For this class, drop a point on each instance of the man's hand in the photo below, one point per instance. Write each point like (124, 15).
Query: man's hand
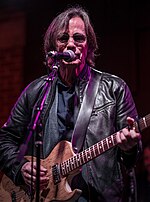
(26, 171)
(127, 138)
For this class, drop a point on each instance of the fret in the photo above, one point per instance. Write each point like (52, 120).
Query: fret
(102, 144)
(84, 154)
(81, 158)
(93, 151)
(70, 166)
(76, 161)
(145, 124)
(84, 157)
(105, 145)
(71, 163)
(96, 150)
(67, 166)
(140, 125)
(63, 168)
(88, 154)
(101, 147)
(114, 139)
(110, 141)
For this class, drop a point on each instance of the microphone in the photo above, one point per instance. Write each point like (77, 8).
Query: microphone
(68, 56)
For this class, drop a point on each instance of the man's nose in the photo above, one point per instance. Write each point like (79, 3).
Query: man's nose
(70, 40)
(71, 43)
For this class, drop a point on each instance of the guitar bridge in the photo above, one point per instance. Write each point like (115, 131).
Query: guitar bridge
(56, 174)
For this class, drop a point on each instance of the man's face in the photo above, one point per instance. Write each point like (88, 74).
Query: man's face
(74, 38)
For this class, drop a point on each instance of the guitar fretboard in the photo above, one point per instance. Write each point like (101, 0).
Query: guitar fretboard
(95, 150)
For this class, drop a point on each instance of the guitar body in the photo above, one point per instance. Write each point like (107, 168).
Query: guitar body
(54, 192)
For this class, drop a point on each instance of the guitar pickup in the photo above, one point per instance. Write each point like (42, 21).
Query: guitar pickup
(56, 174)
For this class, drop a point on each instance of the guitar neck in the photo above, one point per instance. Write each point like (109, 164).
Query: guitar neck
(142, 123)
(95, 150)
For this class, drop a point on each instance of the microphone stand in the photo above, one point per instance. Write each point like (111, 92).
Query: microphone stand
(36, 125)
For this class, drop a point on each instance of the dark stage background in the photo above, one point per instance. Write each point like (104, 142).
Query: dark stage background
(123, 30)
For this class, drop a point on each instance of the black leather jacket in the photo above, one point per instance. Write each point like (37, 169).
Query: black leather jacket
(112, 106)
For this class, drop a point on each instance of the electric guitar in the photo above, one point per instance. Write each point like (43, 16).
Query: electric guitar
(62, 164)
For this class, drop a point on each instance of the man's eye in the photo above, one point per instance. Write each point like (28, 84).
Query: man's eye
(79, 38)
(63, 39)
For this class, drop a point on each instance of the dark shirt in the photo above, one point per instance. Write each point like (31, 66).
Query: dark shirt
(65, 110)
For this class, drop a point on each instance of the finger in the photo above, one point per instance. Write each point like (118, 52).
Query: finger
(43, 170)
(120, 137)
(44, 181)
(129, 135)
(134, 135)
(130, 122)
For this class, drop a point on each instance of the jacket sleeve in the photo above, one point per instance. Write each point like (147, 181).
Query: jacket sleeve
(126, 107)
(13, 133)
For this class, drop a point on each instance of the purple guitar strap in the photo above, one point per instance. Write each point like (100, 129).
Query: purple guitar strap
(85, 112)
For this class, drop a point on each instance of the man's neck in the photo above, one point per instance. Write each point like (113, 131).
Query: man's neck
(70, 75)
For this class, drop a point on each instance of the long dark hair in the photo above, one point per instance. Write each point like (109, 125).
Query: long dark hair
(61, 21)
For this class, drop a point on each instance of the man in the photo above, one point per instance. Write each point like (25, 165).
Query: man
(100, 179)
